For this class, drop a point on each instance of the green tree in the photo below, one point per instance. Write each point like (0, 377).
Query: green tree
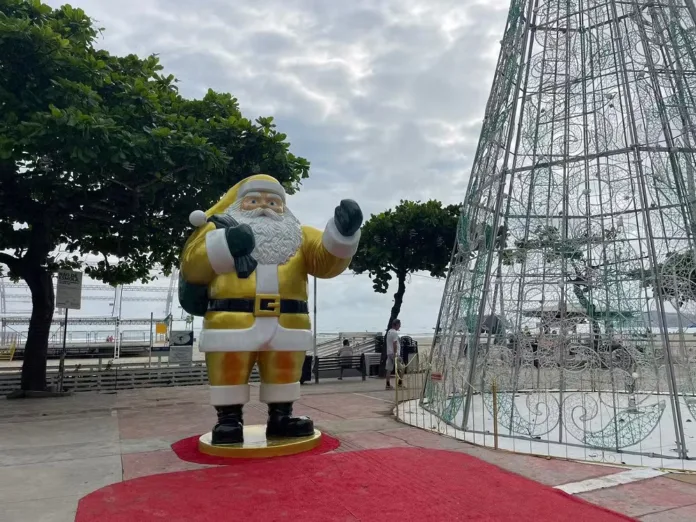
(412, 237)
(100, 154)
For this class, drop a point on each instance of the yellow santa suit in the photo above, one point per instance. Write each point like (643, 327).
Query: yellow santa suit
(234, 341)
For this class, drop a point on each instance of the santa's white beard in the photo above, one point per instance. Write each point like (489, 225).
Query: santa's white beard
(277, 236)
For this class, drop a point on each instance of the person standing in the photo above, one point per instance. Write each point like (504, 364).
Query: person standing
(345, 354)
(392, 349)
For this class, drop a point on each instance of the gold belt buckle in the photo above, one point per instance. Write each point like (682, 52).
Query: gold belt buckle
(267, 305)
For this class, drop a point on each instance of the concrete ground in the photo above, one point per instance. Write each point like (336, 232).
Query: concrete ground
(54, 451)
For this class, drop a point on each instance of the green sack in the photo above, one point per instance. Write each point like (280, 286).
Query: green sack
(193, 298)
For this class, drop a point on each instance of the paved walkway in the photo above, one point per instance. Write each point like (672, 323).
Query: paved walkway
(54, 451)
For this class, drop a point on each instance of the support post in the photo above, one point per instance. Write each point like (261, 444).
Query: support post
(149, 351)
(396, 386)
(315, 320)
(61, 366)
(494, 390)
(116, 339)
(314, 342)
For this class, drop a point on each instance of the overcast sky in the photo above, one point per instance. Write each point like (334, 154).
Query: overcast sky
(384, 97)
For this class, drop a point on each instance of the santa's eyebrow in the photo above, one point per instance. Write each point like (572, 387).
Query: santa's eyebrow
(252, 195)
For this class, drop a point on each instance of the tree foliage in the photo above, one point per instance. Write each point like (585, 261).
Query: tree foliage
(412, 237)
(102, 155)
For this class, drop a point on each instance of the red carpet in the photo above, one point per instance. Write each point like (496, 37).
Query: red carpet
(401, 484)
(187, 449)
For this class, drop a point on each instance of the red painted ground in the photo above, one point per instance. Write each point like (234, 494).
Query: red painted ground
(187, 449)
(404, 484)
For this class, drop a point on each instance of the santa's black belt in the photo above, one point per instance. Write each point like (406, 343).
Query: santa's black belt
(263, 305)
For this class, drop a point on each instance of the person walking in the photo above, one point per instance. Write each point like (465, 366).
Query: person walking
(345, 354)
(392, 349)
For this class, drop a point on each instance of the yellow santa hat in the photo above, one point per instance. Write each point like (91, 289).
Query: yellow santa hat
(255, 183)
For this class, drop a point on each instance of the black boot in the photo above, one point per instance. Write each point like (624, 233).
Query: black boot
(281, 423)
(230, 426)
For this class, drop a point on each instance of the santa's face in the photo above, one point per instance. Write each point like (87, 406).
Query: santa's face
(277, 231)
(264, 200)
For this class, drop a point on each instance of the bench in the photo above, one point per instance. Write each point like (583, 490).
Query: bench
(331, 366)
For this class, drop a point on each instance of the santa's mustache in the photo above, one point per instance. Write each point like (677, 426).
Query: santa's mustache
(262, 212)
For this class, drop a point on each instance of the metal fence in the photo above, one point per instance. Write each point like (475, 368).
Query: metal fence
(110, 377)
(577, 404)
(410, 381)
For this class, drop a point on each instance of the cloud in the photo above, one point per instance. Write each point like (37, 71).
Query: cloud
(384, 97)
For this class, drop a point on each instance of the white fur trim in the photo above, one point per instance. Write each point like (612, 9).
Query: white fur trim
(218, 252)
(229, 395)
(291, 340)
(198, 218)
(261, 185)
(270, 393)
(267, 279)
(338, 245)
(266, 334)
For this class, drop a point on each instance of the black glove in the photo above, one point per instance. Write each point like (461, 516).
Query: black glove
(223, 221)
(348, 217)
(240, 241)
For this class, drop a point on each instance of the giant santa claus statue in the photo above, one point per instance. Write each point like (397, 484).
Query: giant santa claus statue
(245, 270)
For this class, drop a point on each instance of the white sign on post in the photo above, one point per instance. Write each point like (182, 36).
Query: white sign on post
(68, 296)
(181, 347)
(69, 290)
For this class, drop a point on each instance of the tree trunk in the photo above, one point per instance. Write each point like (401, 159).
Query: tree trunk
(398, 298)
(36, 349)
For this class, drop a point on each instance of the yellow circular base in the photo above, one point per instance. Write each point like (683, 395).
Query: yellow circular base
(255, 445)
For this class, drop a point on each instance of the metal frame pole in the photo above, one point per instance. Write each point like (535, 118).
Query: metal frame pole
(149, 354)
(650, 240)
(314, 342)
(436, 335)
(496, 212)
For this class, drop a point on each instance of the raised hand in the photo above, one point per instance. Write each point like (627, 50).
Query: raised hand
(348, 217)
